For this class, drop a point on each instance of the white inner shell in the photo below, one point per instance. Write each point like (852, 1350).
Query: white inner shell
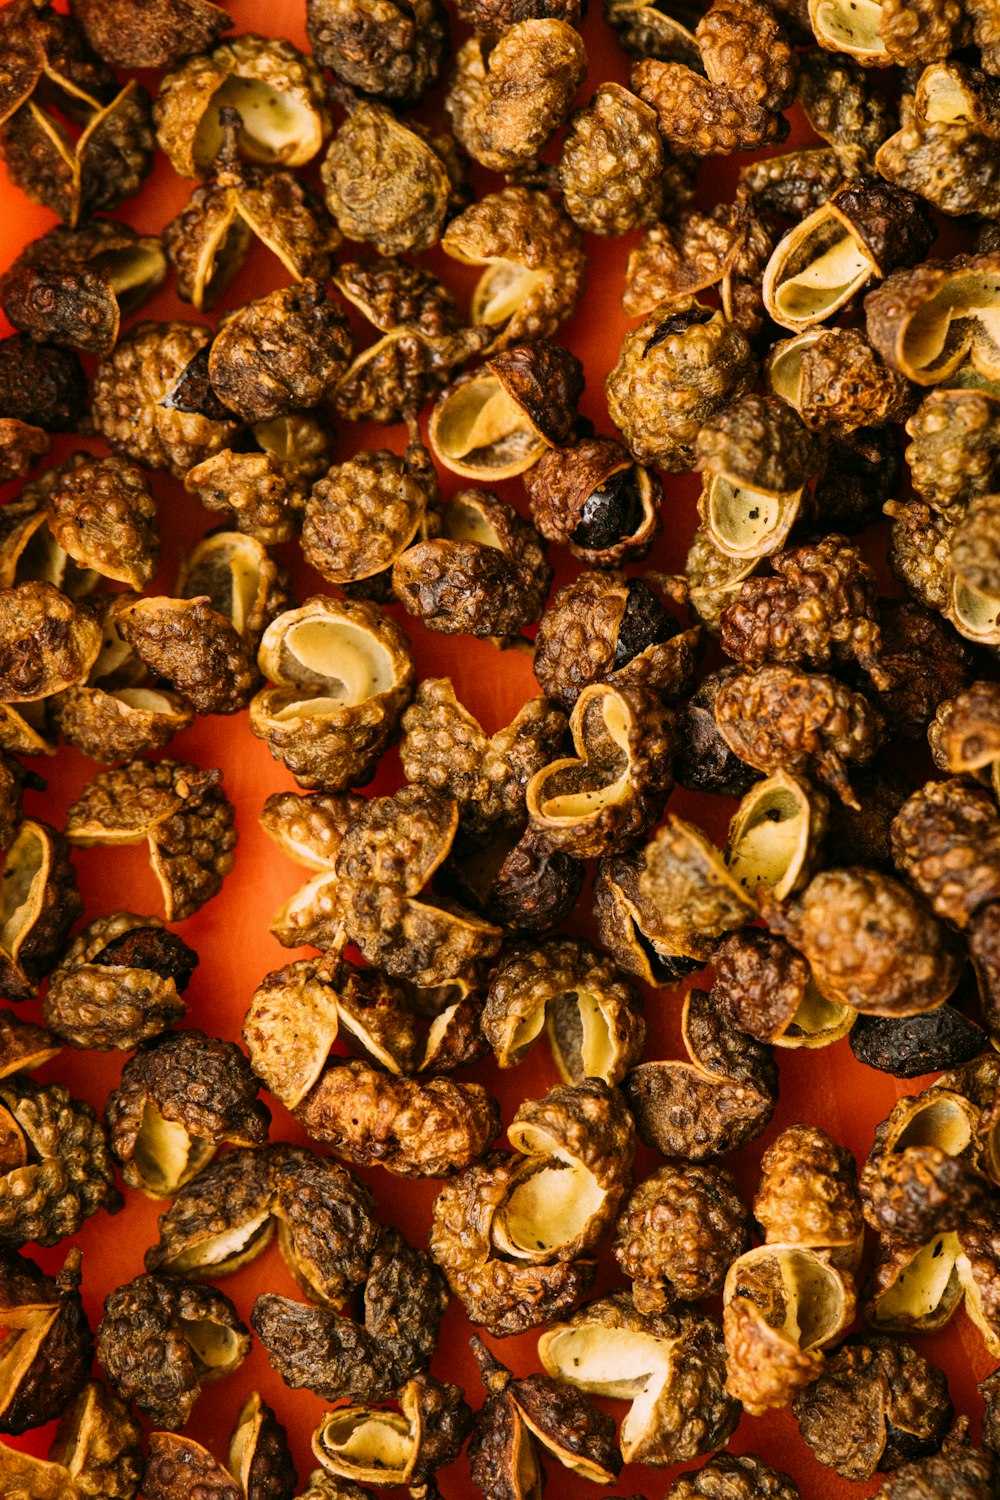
(976, 615)
(476, 417)
(24, 865)
(277, 128)
(770, 842)
(849, 25)
(943, 1123)
(922, 1286)
(571, 807)
(617, 1363)
(165, 1155)
(369, 1439)
(351, 664)
(973, 296)
(501, 290)
(550, 1202)
(826, 282)
(746, 524)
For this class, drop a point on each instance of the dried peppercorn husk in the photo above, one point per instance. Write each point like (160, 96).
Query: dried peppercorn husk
(496, 421)
(821, 610)
(97, 1450)
(959, 1470)
(259, 1461)
(42, 389)
(743, 1478)
(605, 627)
(277, 93)
(756, 457)
(783, 1305)
(194, 647)
(929, 321)
(309, 830)
(329, 1354)
(502, 1294)
(39, 902)
(181, 1096)
(421, 341)
(445, 748)
(388, 50)
(670, 1365)
(73, 286)
(364, 513)
(119, 982)
(917, 1288)
(647, 30)
(922, 1175)
(49, 1346)
(722, 1096)
(776, 833)
(263, 492)
(865, 231)
(686, 882)
(242, 582)
(629, 923)
(388, 182)
(903, 963)
(945, 149)
(484, 574)
(54, 79)
(678, 1234)
(209, 240)
(840, 103)
(161, 1339)
(179, 809)
(681, 365)
(612, 789)
(150, 401)
(57, 1168)
(808, 1195)
(429, 1127)
(533, 258)
(506, 101)
(521, 1416)
(47, 642)
(843, 385)
(808, 724)
(158, 37)
(727, 247)
(877, 1404)
(946, 841)
(23, 1046)
(731, 98)
(228, 1214)
(592, 497)
(281, 353)
(927, 661)
(963, 734)
(343, 672)
(592, 1018)
(94, 517)
(390, 1447)
(615, 126)
(798, 182)
(973, 589)
(766, 989)
(955, 453)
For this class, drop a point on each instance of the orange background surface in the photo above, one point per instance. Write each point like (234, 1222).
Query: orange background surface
(231, 934)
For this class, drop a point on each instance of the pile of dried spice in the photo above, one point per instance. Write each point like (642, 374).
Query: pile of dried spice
(812, 330)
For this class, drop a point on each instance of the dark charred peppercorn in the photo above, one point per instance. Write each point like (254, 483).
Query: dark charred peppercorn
(49, 1346)
(927, 661)
(876, 1405)
(863, 470)
(535, 888)
(704, 761)
(394, 51)
(160, 1339)
(862, 835)
(958, 1472)
(840, 103)
(912, 1045)
(41, 385)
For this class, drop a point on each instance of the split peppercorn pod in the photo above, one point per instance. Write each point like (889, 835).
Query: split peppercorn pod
(259, 1461)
